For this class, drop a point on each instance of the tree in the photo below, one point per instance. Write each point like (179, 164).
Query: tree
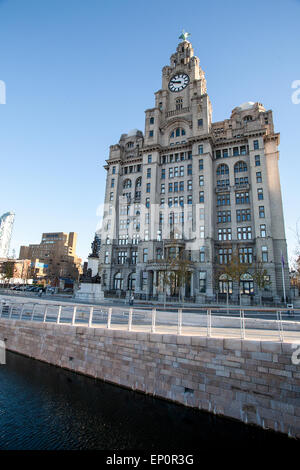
(261, 277)
(181, 269)
(235, 269)
(9, 268)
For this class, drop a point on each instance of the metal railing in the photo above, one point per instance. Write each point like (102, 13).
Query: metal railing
(243, 323)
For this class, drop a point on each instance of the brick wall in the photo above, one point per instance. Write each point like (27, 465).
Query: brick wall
(252, 381)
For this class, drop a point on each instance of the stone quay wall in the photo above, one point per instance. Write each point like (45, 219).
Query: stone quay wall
(252, 381)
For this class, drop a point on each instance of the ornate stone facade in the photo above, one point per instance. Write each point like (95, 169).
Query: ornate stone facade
(188, 185)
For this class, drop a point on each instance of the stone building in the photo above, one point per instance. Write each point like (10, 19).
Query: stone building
(192, 186)
(55, 257)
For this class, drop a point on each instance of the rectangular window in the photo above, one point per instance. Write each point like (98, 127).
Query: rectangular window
(181, 186)
(200, 122)
(258, 177)
(148, 185)
(246, 255)
(145, 255)
(202, 282)
(201, 196)
(148, 172)
(201, 164)
(260, 194)
(147, 202)
(182, 171)
(162, 188)
(255, 144)
(170, 187)
(176, 187)
(170, 202)
(264, 254)
(218, 154)
(201, 180)
(149, 158)
(242, 198)
(106, 257)
(261, 212)
(113, 170)
(112, 184)
(202, 255)
(201, 232)
(190, 200)
(257, 160)
(223, 200)
(244, 233)
(171, 173)
(189, 170)
(190, 185)
(181, 201)
(200, 149)
(151, 133)
(176, 171)
(225, 153)
(263, 232)
(151, 120)
(163, 174)
(111, 196)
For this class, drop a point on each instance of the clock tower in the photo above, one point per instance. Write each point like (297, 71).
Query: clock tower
(194, 190)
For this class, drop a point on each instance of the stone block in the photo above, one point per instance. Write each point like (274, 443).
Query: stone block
(251, 346)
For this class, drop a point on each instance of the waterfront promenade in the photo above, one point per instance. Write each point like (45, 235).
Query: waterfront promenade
(242, 365)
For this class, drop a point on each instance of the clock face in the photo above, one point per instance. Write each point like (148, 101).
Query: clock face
(179, 82)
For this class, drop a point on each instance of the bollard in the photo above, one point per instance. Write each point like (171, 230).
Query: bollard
(153, 320)
(109, 317)
(179, 321)
(45, 313)
(91, 317)
(58, 314)
(130, 319)
(74, 316)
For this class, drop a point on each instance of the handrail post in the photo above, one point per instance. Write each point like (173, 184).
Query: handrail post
(10, 311)
(45, 313)
(130, 319)
(153, 320)
(109, 318)
(1, 309)
(58, 314)
(22, 310)
(179, 321)
(242, 323)
(91, 317)
(209, 322)
(32, 313)
(74, 315)
(279, 324)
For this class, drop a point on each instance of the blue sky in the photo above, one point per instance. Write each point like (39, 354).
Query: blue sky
(80, 73)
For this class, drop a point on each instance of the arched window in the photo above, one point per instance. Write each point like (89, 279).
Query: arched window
(131, 281)
(223, 169)
(138, 182)
(118, 281)
(179, 103)
(127, 184)
(246, 284)
(225, 284)
(240, 166)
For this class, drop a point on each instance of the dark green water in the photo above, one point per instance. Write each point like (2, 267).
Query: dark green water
(45, 407)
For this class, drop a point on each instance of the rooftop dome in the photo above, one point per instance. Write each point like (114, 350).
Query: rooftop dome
(246, 105)
(132, 132)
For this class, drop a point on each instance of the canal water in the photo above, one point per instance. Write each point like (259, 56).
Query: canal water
(45, 407)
